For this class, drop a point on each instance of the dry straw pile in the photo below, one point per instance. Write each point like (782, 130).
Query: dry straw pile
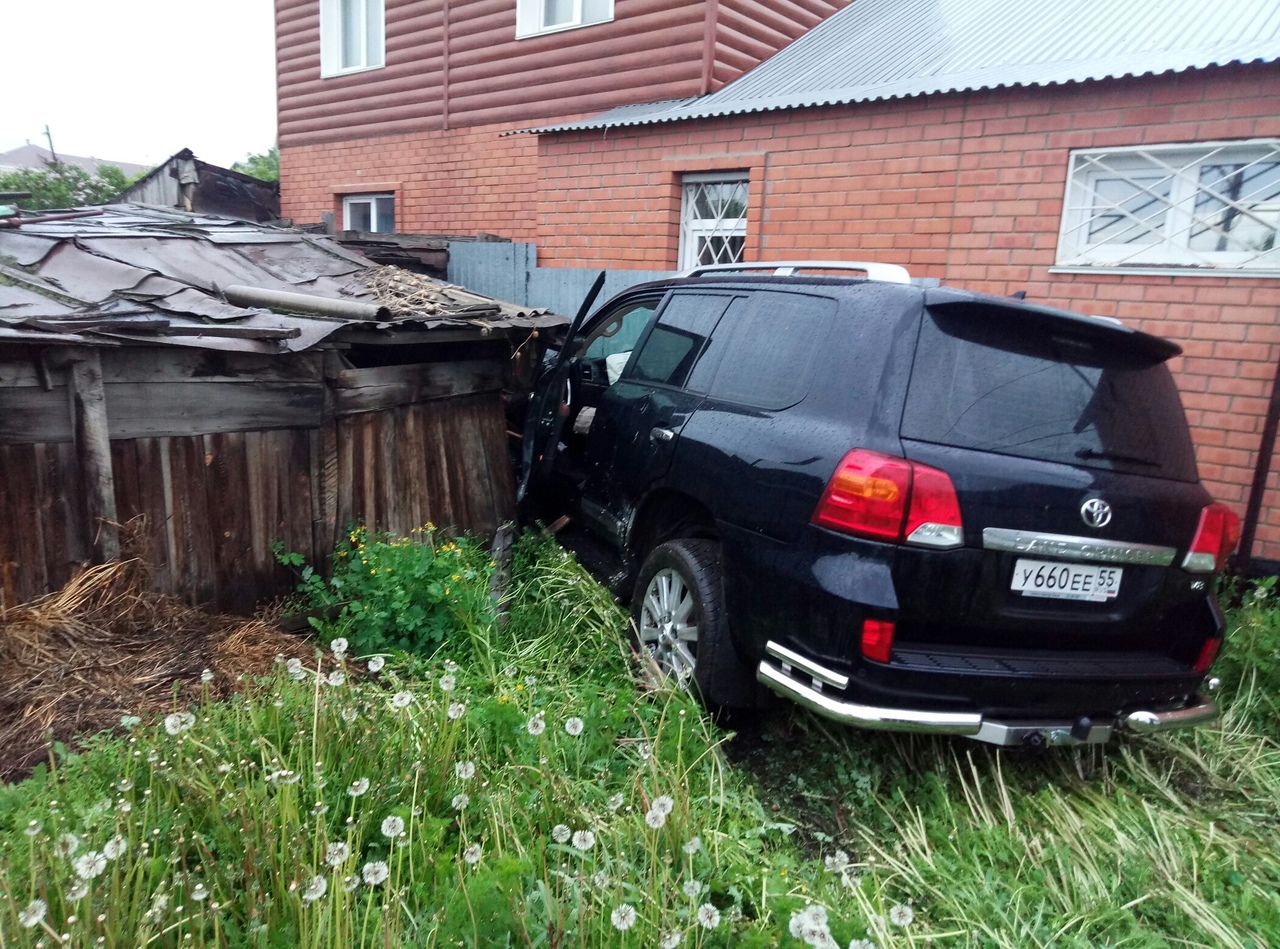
(106, 646)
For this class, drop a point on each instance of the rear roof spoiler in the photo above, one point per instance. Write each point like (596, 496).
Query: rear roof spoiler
(948, 300)
(886, 273)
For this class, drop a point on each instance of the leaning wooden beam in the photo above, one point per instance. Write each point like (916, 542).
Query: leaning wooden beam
(93, 451)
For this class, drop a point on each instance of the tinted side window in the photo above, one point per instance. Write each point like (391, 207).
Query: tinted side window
(678, 338)
(766, 348)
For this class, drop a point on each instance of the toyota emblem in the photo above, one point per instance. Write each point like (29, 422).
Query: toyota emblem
(1096, 512)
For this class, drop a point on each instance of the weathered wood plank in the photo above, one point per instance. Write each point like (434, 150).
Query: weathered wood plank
(368, 390)
(32, 414)
(138, 410)
(93, 451)
(180, 364)
(195, 572)
(30, 566)
(153, 471)
(227, 484)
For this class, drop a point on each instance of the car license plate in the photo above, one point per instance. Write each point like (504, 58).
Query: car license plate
(1066, 581)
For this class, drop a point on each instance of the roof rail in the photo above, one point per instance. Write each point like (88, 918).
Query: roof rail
(888, 273)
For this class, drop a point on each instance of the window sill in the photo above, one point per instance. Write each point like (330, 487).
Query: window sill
(347, 72)
(560, 29)
(1169, 271)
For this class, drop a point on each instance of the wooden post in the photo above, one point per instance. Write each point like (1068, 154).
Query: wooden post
(93, 451)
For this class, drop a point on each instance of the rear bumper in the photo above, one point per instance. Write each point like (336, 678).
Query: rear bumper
(802, 680)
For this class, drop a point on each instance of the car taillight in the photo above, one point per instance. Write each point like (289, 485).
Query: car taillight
(1216, 538)
(893, 499)
(877, 639)
(1208, 653)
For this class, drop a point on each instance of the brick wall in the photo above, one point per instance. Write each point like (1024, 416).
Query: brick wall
(457, 181)
(967, 188)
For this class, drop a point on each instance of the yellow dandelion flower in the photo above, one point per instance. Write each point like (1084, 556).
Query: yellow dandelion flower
(502, 699)
(519, 686)
(373, 570)
(456, 577)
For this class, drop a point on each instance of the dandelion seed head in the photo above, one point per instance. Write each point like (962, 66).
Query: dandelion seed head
(583, 840)
(317, 888)
(401, 700)
(33, 915)
(448, 683)
(623, 917)
(708, 916)
(199, 893)
(615, 801)
(510, 672)
(837, 861)
(536, 725)
(349, 883)
(692, 889)
(531, 681)
(465, 770)
(206, 677)
(339, 647)
(472, 855)
(671, 940)
(32, 828)
(349, 714)
(902, 915)
(392, 826)
(561, 833)
(376, 664)
(693, 846)
(78, 890)
(337, 677)
(655, 819)
(358, 787)
(178, 722)
(375, 872)
(295, 669)
(115, 847)
(460, 801)
(90, 865)
(663, 804)
(336, 854)
(862, 944)
(574, 726)
(457, 710)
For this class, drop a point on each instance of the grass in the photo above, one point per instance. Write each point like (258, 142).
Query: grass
(526, 787)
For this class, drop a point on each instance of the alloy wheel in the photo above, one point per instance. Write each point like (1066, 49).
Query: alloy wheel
(669, 624)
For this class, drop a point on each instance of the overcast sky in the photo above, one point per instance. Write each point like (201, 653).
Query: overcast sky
(137, 80)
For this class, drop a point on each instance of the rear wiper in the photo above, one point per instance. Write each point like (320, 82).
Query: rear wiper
(1116, 456)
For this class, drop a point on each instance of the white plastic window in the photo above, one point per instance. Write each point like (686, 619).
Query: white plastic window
(369, 212)
(352, 36)
(713, 220)
(1214, 205)
(534, 17)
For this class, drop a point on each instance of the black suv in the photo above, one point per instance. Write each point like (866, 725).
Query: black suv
(907, 508)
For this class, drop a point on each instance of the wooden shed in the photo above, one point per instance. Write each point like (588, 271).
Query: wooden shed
(238, 386)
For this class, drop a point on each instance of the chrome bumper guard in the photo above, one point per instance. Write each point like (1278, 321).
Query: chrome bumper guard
(784, 678)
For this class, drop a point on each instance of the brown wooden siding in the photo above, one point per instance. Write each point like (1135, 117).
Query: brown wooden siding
(750, 31)
(394, 447)
(653, 49)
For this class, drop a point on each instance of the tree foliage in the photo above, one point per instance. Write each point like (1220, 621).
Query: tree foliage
(265, 166)
(64, 186)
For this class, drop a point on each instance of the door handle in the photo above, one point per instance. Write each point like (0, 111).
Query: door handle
(661, 435)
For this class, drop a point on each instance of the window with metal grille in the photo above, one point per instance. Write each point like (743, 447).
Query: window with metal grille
(534, 17)
(713, 220)
(352, 36)
(1207, 205)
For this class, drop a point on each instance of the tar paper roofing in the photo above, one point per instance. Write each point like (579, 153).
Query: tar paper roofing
(125, 274)
(891, 49)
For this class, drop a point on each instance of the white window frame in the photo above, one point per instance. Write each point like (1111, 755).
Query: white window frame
(331, 37)
(531, 16)
(369, 198)
(691, 228)
(1157, 171)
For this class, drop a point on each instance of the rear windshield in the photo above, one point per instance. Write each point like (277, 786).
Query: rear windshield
(993, 380)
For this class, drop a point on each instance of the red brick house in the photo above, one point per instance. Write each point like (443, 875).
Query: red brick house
(1119, 157)
(392, 112)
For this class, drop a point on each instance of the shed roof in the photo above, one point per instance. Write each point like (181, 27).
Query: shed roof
(891, 49)
(122, 273)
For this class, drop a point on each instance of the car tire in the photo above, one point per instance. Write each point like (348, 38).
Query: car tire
(679, 590)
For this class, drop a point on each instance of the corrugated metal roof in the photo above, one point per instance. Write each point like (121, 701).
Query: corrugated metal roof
(889, 49)
(157, 277)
